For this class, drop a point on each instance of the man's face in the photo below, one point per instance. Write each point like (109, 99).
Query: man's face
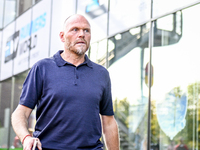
(76, 35)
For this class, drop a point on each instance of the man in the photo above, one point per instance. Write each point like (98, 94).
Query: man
(70, 92)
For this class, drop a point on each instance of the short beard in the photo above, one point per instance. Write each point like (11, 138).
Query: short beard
(80, 51)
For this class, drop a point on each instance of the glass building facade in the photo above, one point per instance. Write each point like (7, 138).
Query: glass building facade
(150, 48)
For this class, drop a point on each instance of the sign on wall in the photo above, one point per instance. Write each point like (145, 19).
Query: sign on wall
(40, 32)
(9, 46)
(23, 27)
(26, 40)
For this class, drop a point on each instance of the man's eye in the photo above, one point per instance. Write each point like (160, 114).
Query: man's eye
(86, 30)
(75, 29)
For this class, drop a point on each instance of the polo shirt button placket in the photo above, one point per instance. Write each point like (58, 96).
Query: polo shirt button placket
(75, 76)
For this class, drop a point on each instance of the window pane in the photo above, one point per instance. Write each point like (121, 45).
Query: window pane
(5, 103)
(98, 52)
(24, 5)
(35, 1)
(1, 13)
(10, 11)
(125, 14)
(128, 56)
(19, 80)
(161, 7)
(176, 82)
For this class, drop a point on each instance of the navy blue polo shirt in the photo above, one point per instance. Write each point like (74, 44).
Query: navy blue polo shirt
(69, 100)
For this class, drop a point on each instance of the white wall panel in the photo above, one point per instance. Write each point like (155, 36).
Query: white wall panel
(9, 44)
(61, 9)
(40, 32)
(23, 25)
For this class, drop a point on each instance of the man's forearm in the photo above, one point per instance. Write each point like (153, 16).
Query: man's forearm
(20, 125)
(19, 121)
(111, 136)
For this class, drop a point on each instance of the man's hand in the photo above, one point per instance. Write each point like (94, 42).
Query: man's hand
(29, 143)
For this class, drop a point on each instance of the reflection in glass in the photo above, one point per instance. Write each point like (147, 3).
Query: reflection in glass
(128, 55)
(5, 103)
(35, 1)
(93, 51)
(126, 41)
(98, 52)
(1, 13)
(23, 6)
(168, 30)
(124, 14)
(176, 88)
(10, 11)
(19, 80)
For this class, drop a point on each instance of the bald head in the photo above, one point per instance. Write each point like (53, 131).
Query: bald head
(74, 17)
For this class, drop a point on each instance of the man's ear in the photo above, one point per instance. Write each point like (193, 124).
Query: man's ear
(62, 36)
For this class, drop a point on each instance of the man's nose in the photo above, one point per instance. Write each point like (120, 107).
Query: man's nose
(81, 33)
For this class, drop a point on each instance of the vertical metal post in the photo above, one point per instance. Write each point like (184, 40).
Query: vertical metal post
(12, 85)
(108, 18)
(107, 33)
(4, 6)
(50, 27)
(150, 78)
(11, 109)
(197, 116)
(14, 40)
(0, 94)
(1, 42)
(29, 52)
(76, 7)
(194, 108)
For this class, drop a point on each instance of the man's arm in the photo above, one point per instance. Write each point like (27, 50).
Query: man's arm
(110, 132)
(19, 121)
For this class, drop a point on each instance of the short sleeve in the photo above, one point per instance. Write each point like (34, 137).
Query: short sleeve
(106, 106)
(32, 88)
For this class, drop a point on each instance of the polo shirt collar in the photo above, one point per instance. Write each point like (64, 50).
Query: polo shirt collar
(61, 62)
